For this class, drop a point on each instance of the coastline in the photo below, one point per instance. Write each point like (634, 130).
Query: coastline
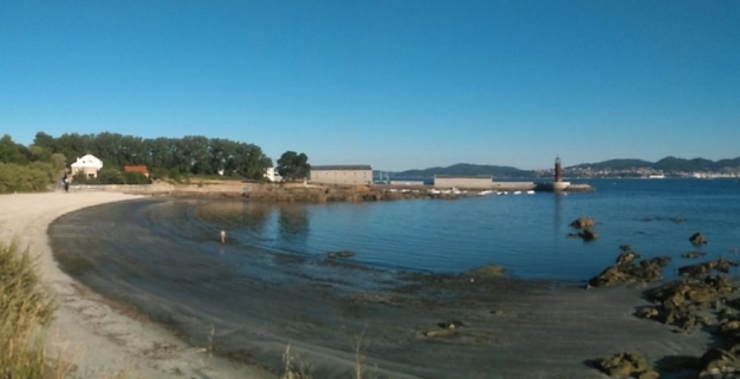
(102, 338)
(513, 328)
(318, 193)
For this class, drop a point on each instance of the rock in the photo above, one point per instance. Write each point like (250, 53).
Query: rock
(625, 247)
(340, 254)
(725, 314)
(716, 361)
(583, 223)
(625, 270)
(693, 254)
(679, 300)
(698, 239)
(588, 235)
(451, 324)
(627, 257)
(627, 365)
(648, 312)
(700, 269)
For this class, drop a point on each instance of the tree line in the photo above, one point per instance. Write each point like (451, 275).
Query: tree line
(164, 157)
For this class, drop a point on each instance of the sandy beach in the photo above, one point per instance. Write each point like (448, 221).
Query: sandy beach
(104, 340)
(249, 305)
(512, 328)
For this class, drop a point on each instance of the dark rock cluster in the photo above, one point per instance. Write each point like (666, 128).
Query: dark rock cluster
(585, 226)
(626, 270)
(627, 365)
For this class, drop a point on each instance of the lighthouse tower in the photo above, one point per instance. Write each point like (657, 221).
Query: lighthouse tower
(558, 184)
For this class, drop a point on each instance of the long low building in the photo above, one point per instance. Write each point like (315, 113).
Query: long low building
(342, 174)
(463, 182)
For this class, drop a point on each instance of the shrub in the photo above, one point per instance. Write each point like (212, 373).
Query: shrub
(174, 174)
(110, 176)
(135, 178)
(25, 178)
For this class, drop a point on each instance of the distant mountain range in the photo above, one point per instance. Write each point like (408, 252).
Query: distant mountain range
(667, 164)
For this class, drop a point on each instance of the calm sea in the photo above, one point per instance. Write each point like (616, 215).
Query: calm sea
(524, 233)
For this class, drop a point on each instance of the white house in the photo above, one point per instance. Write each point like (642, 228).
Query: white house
(88, 165)
(272, 174)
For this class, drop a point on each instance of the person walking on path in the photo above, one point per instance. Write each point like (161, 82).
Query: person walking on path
(65, 179)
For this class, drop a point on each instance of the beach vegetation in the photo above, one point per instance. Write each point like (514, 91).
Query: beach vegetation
(26, 308)
(174, 175)
(25, 178)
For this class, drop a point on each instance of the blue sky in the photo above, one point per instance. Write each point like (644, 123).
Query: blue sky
(396, 84)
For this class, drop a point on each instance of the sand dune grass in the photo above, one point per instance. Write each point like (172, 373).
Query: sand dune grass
(26, 308)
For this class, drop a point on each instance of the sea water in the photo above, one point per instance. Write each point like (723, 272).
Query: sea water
(525, 233)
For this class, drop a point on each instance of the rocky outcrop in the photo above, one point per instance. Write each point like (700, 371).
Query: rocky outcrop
(626, 270)
(718, 363)
(627, 365)
(701, 269)
(698, 239)
(678, 303)
(583, 223)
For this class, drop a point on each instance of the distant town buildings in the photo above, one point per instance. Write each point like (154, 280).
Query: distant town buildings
(342, 174)
(89, 165)
(272, 175)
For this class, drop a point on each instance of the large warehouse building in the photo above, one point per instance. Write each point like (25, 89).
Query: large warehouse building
(346, 174)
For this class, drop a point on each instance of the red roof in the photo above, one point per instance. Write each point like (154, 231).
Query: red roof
(141, 169)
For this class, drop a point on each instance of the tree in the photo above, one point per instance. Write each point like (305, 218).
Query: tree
(293, 166)
(9, 151)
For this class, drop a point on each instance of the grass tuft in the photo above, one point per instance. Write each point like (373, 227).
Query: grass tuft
(26, 308)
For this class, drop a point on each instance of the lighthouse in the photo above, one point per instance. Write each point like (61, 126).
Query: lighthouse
(558, 184)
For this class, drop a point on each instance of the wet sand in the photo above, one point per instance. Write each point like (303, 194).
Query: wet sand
(249, 304)
(104, 339)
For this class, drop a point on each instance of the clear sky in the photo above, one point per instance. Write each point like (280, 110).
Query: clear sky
(397, 84)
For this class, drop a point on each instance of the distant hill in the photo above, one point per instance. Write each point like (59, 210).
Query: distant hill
(465, 169)
(615, 164)
(667, 164)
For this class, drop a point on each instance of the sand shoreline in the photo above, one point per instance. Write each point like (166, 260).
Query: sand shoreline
(102, 341)
(259, 301)
(514, 329)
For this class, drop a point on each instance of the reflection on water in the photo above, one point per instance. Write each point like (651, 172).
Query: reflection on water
(558, 220)
(526, 234)
(293, 222)
(235, 215)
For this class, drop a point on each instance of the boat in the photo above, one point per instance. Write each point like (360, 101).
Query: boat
(517, 192)
(484, 193)
(530, 192)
